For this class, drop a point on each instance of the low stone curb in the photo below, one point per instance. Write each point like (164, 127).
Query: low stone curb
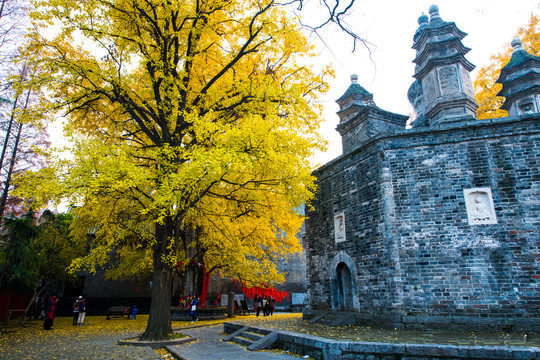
(156, 344)
(327, 349)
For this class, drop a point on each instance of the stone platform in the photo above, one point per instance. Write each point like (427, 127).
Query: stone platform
(427, 322)
(327, 349)
(178, 314)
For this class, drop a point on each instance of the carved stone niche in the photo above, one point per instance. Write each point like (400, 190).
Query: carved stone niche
(480, 208)
(339, 227)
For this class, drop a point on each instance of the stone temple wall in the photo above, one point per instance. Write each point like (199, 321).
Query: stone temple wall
(448, 265)
(439, 222)
(349, 185)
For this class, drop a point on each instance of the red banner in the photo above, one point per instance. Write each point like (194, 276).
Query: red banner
(251, 292)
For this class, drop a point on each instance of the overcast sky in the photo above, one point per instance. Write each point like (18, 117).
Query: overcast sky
(389, 25)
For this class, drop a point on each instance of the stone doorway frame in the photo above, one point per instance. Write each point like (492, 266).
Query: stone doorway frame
(339, 301)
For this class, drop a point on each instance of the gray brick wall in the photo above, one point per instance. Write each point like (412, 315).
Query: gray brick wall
(406, 221)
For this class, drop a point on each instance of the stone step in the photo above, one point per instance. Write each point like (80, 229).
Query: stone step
(242, 341)
(334, 319)
(265, 342)
(234, 334)
(252, 339)
(317, 318)
(344, 320)
(252, 336)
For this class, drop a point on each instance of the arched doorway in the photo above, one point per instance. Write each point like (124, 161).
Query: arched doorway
(344, 298)
(342, 284)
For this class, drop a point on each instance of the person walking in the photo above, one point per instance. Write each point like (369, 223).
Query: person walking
(76, 312)
(193, 310)
(271, 304)
(82, 311)
(49, 312)
(134, 312)
(265, 305)
(258, 304)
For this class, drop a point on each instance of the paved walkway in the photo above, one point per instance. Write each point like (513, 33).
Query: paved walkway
(210, 347)
(54, 346)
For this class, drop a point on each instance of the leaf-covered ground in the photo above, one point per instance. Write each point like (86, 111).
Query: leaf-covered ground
(97, 338)
(294, 322)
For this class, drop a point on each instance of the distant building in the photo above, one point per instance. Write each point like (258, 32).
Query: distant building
(438, 224)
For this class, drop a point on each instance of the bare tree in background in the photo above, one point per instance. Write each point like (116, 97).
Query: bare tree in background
(17, 138)
(317, 15)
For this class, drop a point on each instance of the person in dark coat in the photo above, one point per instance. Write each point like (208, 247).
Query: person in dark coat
(76, 312)
(258, 304)
(193, 310)
(82, 311)
(49, 312)
(271, 304)
(265, 306)
(134, 312)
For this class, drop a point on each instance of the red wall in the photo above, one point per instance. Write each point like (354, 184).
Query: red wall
(17, 301)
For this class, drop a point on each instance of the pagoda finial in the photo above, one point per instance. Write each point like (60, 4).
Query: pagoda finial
(354, 78)
(516, 44)
(434, 13)
(423, 19)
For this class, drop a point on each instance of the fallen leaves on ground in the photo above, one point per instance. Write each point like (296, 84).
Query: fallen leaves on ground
(293, 322)
(99, 336)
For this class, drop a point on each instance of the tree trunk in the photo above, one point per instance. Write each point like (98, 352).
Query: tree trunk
(5, 193)
(192, 281)
(159, 325)
(34, 297)
(12, 161)
(8, 133)
(3, 200)
(192, 278)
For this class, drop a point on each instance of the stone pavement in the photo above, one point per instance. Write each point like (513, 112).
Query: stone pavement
(55, 346)
(210, 347)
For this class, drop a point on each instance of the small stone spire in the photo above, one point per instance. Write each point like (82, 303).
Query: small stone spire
(520, 81)
(434, 14)
(434, 11)
(354, 97)
(423, 21)
(516, 44)
(443, 72)
(360, 119)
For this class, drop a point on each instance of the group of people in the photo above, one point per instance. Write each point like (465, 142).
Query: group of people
(264, 304)
(49, 308)
(79, 311)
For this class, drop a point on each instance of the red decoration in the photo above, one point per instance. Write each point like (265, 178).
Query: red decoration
(250, 292)
(206, 282)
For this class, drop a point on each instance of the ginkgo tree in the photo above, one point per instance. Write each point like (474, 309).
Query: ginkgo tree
(485, 87)
(192, 122)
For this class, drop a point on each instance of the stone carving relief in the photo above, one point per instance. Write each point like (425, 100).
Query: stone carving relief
(480, 208)
(339, 227)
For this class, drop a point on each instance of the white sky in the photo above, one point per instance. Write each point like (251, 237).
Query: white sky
(390, 25)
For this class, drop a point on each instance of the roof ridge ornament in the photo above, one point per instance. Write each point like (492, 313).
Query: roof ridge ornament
(434, 13)
(423, 19)
(517, 45)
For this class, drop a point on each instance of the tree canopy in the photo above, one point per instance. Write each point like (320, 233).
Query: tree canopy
(192, 125)
(485, 88)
